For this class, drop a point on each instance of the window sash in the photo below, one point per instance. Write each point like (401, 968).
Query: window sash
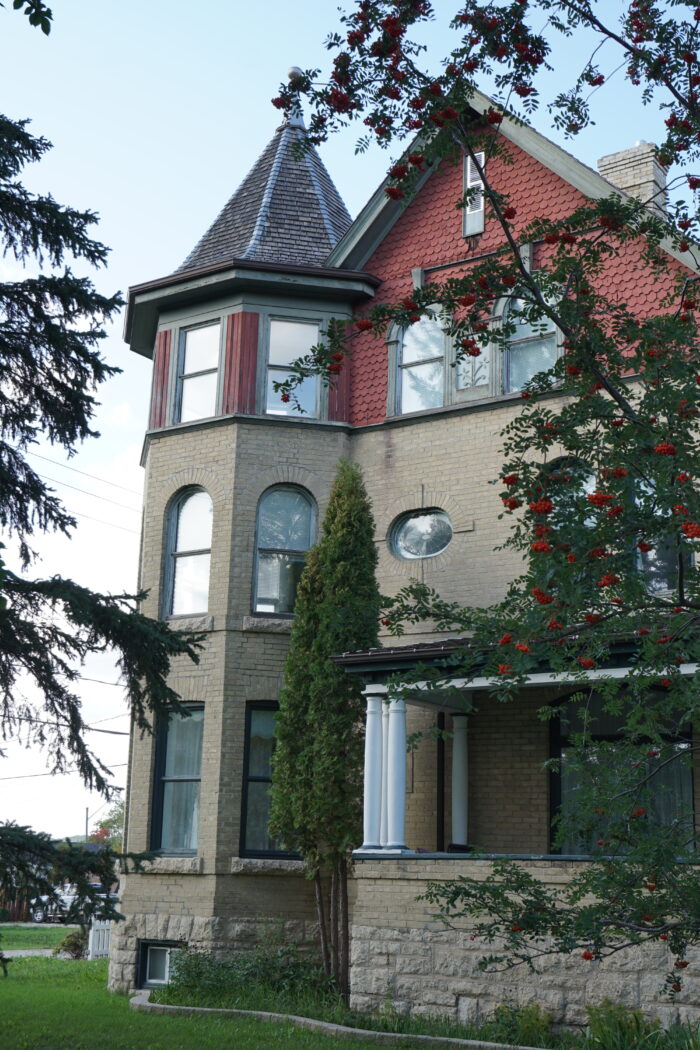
(198, 372)
(255, 837)
(288, 340)
(177, 777)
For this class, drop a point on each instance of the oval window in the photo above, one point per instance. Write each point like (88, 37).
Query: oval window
(420, 533)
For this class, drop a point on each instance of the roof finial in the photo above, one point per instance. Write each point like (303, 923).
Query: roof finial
(295, 116)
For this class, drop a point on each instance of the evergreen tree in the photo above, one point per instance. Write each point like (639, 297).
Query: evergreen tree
(51, 326)
(317, 782)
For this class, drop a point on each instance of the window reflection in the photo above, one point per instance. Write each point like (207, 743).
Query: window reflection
(198, 378)
(286, 530)
(191, 554)
(258, 777)
(421, 371)
(532, 348)
(421, 534)
(290, 340)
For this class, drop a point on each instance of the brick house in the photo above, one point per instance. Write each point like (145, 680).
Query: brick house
(236, 482)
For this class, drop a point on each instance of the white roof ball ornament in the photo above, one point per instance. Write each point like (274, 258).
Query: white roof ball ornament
(295, 117)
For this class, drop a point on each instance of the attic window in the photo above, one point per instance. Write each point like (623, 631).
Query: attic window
(473, 213)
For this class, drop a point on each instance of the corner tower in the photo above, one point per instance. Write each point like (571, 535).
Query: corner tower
(235, 483)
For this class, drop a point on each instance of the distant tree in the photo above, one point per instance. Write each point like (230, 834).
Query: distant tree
(316, 783)
(109, 831)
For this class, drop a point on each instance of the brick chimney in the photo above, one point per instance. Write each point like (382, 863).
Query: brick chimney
(637, 172)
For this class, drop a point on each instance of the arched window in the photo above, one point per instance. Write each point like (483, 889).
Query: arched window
(286, 528)
(532, 346)
(189, 553)
(420, 366)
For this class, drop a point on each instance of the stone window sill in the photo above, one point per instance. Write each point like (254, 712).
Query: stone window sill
(174, 866)
(266, 866)
(268, 624)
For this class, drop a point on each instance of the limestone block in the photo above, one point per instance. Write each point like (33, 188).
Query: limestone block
(470, 1009)
(414, 964)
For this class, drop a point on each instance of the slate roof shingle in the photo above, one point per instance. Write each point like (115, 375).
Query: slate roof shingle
(286, 210)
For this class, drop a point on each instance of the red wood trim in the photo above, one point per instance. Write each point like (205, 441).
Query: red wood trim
(241, 365)
(159, 383)
(248, 373)
(230, 363)
(339, 395)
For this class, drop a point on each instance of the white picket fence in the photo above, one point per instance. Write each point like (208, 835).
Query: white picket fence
(98, 939)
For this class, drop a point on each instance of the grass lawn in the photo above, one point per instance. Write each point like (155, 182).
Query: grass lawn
(12, 937)
(57, 1004)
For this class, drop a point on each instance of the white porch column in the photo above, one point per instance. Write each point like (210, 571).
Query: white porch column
(375, 695)
(460, 782)
(384, 829)
(396, 777)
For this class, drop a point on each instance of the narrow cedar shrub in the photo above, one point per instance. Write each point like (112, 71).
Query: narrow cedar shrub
(317, 769)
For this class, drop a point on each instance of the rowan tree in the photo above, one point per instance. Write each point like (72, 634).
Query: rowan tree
(601, 463)
(317, 780)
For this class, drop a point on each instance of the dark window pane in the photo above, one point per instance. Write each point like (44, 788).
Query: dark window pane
(257, 837)
(261, 743)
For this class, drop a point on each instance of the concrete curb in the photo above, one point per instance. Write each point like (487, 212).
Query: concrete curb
(140, 1002)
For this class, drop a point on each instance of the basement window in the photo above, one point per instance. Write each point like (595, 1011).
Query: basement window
(155, 960)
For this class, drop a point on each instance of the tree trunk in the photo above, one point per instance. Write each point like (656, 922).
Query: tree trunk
(333, 924)
(344, 931)
(322, 923)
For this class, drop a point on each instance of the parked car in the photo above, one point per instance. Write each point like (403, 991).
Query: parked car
(62, 907)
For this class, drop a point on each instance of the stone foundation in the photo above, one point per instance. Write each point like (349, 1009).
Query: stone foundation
(219, 936)
(404, 958)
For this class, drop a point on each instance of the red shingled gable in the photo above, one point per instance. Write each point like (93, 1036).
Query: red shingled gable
(429, 234)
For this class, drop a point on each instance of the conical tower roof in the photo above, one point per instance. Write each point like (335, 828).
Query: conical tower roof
(286, 210)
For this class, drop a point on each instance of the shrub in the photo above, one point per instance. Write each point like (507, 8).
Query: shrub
(526, 1025)
(73, 944)
(281, 968)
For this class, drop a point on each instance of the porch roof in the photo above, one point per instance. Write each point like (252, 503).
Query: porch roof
(440, 656)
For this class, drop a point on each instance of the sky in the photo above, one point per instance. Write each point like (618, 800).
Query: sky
(157, 109)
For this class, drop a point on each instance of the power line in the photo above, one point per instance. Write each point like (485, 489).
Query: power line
(63, 773)
(66, 725)
(86, 492)
(88, 517)
(101, 681)
(95, 477)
